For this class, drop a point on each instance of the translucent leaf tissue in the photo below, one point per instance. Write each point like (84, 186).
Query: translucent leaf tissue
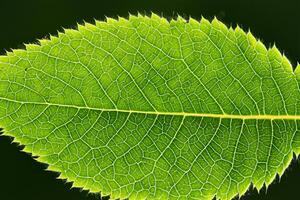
(146, 108)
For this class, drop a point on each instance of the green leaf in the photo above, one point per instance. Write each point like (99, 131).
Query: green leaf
(146, 108)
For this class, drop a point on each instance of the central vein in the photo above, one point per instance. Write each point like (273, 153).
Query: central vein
(185, 114)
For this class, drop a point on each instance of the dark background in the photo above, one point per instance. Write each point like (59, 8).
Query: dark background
(25, 20)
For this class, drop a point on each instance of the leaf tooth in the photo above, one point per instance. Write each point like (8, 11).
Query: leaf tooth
(144, 16)
(93, 21)
(221, 26)
(64, 177)
(238, 192)
(274, 53)
(286, 163)
(204, 21)
(155, 16)
(296, 155)
(179, 24)
(89, 25)
(269, 180)
(258, 184)
(134, 17)
(93, 189)
(194, 22)
(260, 46)
(181, 19)
(61, 34)
(100, 24)
(231, 30)
(108, 193)
(242, 189)
(274, 50)
(84, 22)
(214, 21)
(19, 143)
(80, 27)
(279, 171)
(43, 41)
(75, 182)
(277, 54)
(32, 47)
(187, 18)
(122, 20)
(173, 21)
(297, 73)
(164, 21)
(239, 31)
(287, 64)
(237, 28)
(111, 20)
(2, 57)
(70, 32)
(19, 52)
(157, 19)
(139, 15)
(26, 148)
(6, 133)
(251, 38)
(50, 167)
(9, 53)
(78, 184)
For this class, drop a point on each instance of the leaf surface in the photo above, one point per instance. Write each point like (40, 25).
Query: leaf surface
(156, 109)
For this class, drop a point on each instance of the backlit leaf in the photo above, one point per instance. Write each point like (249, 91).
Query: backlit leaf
(147, 108)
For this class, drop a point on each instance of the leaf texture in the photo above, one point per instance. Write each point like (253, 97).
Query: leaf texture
(145, 108)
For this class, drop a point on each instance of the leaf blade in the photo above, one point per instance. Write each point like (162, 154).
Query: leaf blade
(222, 112)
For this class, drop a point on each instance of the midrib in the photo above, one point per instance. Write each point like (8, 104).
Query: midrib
(186, 114)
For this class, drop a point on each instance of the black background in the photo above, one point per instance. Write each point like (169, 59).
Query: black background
(23, 21)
